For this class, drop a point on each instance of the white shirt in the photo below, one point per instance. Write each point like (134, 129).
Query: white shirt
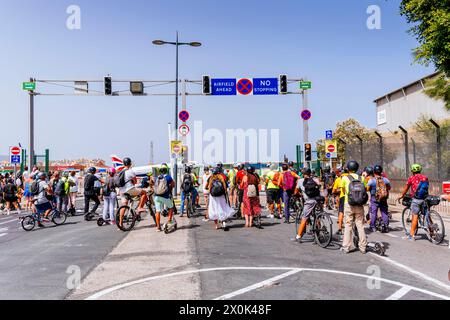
(205, 178)
(129, 175)
(41, 198)
(74, 188)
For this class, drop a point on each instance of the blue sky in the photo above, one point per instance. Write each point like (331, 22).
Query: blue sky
(326, 41)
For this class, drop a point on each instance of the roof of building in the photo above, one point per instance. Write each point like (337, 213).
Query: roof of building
(406, 87)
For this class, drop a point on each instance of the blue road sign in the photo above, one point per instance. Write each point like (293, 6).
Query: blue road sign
(306, 115)
(223, 87)
(15, 159)
(265, 86)
(329, 135)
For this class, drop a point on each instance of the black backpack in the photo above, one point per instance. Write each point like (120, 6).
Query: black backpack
(119, 179)
(187, 184)
(312, 189)
(357, 194)
(34, 189)
(60, 189)
(217, 189)
(10, 190)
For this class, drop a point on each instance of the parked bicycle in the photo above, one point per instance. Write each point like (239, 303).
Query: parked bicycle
(29, 222)
(189, 205)
(430, 220)
(319, 225)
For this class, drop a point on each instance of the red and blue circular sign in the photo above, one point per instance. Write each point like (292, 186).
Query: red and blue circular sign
(306, 115)
(184, 116)
(245, 86)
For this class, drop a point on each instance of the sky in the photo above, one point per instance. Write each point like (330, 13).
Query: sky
(326, 41)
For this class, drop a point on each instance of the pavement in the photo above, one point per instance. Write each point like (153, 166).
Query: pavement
(198, 262)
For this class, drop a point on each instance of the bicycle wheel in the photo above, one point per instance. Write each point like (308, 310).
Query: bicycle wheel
(152, 210)
(435, 228)
(188, 204)
(406, 220)
(129, 218)
(323, 229)
(298, 219)
(258, 222)
(28, 223)
(59, 218)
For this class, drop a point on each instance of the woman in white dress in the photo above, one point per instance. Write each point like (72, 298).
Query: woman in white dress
(218, 210)
(205, 180)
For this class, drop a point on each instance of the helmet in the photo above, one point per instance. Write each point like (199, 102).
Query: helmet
(188, 169)
(369, 170)
(274, 167)
(236, 165)
(66, 174)
(306, 171)
(127, 162)
(251, 169)
(352, 166)
(219, 165)
(327, 169)
(291, 163)
(241, 167)
(41, 175)
(378, 169)
(112, 170)
(416, 168)
(92, 170)
(215, 170)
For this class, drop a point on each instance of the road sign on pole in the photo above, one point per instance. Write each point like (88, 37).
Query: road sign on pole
(329, 135)
(245, 87)
(305, 85)
(184, 130)
(306, 115)
(15, 155)
(184, 116)
(29, 86)
(223, 87)
(176, 148)
(265, 86)
(331, 148)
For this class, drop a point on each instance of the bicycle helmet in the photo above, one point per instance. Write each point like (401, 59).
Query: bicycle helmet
(112, 170)
(378, 169)
(41, 175)
(92, 170)
(327, 169)
(251, 169)
(369, 170)
(306, 171)
(241, 167)
(215, 170)
(353, 166)
(127, 162)
(291, 163)
(163, 170)
(416, 168)
(188, 169)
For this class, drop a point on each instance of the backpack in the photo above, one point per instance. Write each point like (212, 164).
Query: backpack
(34, 189)
(60, 189)
(422, 190)
(312, 189)
(119, 179)
(329, 180)
(381, 190)
(357, 194)
(288, 181)
(9, 190)
(161, 187)
(217, 189)
(187, 184)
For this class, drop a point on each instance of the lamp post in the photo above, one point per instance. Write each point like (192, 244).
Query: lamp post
(177, 43)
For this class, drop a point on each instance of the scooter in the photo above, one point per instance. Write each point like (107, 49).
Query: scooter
(375, 247)
(170, 226)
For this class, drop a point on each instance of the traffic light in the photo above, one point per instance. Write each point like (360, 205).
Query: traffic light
(283, 84)
(108, 86)
(206, 85)
(308, 152)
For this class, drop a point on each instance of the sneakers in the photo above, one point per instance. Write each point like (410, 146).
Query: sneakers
(344, 251)
(339, 233)
(271, 216)
(372, 229)
(409, 238)
(205, 220)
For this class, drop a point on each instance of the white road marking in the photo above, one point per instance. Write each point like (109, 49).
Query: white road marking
(400, 293)
(3, 234)
(257, 285)
(3, 230)
(415, 272)
(391, 235)
(8, 221)
(132, 283)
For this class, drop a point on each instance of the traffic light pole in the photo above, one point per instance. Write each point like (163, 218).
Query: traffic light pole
(305, 124)
(31, 129)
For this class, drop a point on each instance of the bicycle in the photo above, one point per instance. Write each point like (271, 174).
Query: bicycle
(29, 222)
(188, 203)
(319, 224)
(429, 220)
(130, 217)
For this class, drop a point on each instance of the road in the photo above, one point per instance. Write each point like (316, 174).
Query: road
(202, 263)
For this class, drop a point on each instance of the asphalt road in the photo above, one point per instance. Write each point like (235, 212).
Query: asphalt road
(34, 264)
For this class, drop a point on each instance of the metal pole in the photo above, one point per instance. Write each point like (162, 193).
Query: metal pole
(438, 148)
(380, 137)
(31, 128)
(361, 149)
(175, 167)
(305, 124)
(414, 150)
(406, 137)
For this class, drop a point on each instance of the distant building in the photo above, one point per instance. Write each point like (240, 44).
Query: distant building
(404, 106)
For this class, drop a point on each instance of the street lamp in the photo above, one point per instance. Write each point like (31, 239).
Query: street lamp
(177, 43)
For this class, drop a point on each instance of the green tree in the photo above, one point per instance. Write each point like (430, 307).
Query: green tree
(431, 26)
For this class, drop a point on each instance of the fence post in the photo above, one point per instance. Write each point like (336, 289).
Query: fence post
(406, 138)
(380, 137)
(345, 149)
(414, 150)
(438, 148)
(361, 148)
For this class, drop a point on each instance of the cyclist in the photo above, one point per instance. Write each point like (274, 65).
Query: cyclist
(188, 186)
(164, 185)
(379, 188)
(355, 199)
(418, 185)
(286, 182)
(89, 194)
(327, 180)
(40, 201)
(130, 187)
(10, 195)
(109, 195)
(340, 201)
(273, 191)
(310, 188)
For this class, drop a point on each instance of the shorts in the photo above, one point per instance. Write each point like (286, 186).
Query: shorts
(273, 196)
(11, 199)
(44, 207)
(341, 204)
(241, 195)
(416, 204)
(160, 202)
(134, 192)
(308, 208)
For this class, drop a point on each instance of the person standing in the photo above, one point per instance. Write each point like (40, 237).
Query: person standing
(287, 184)
(89, 194)
(379, 188)
(164, 185)
(205, 180)
(232, 190)
(340, 201)
(355, 199)
(218, 209)
(109, 196)
(251, 203)
(10, 196)
(73, 191)
(273, 191)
